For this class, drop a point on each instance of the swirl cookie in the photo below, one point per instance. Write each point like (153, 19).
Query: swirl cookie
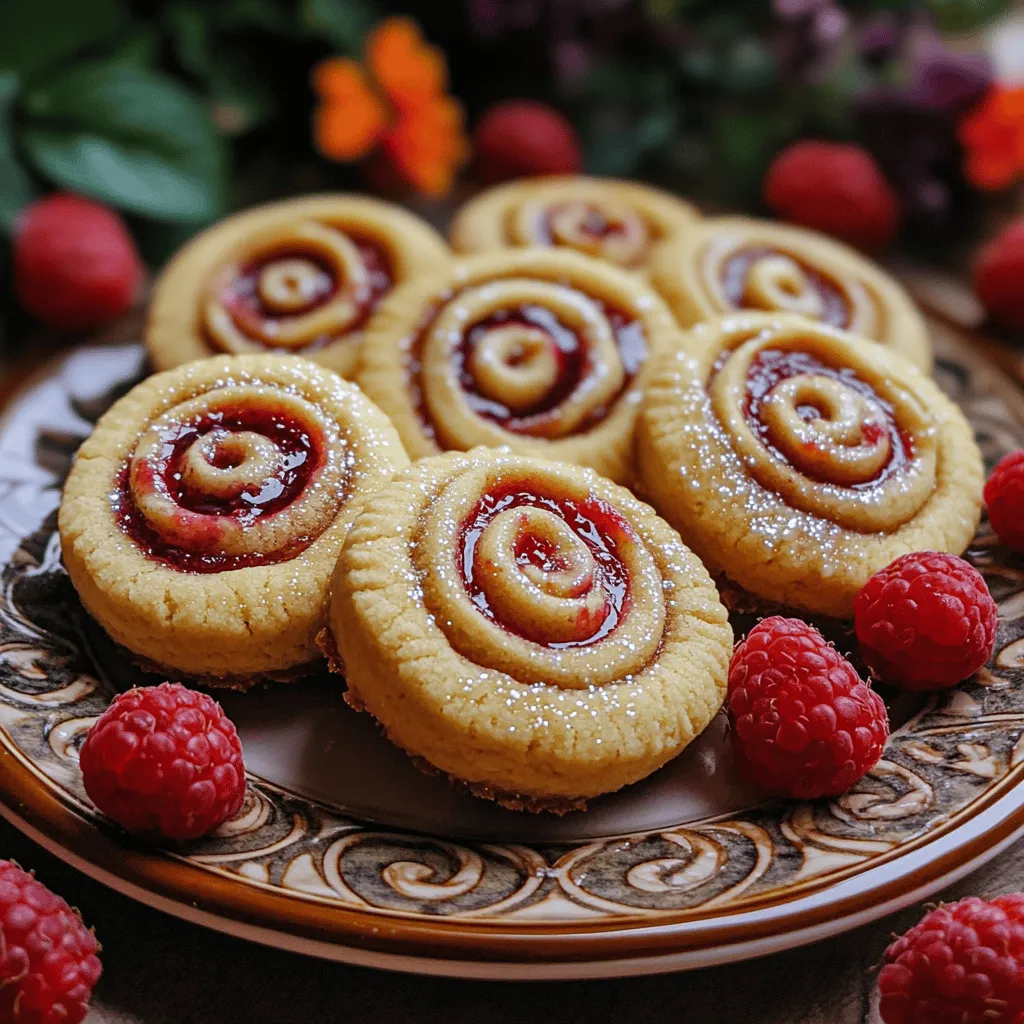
(798, 459)
(528, 628)
(202, 519)
(301, 277)
(617, 221)
(732, 263)
(546, 352)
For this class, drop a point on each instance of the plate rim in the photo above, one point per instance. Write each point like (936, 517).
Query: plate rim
(372, 950)
(624, 944)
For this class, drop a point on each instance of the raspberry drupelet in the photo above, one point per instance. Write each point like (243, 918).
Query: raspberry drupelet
(164, 761)
(963, 963)
(926, 621)
(48, 958)
(804, 724)
(1004, 497)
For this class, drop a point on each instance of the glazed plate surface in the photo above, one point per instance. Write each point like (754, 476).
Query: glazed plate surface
(344, 850)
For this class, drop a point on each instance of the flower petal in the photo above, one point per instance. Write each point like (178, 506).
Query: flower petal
(349, 130)
(429, 147)
(410, 71)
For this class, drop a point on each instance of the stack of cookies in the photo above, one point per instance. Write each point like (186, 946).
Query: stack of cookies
(435, 466)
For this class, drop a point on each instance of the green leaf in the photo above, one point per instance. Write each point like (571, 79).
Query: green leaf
(15, 185)
(190, 37)
(743, 144)
(750, 67)
(36, 34)
(343, 23)
(240, 102)
(617, 148)
(133, 138)
(268, 15)
(141, 49)
(967, 15)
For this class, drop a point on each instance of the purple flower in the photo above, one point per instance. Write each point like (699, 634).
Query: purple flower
(879, 36)
(942, 78)
(810, 36)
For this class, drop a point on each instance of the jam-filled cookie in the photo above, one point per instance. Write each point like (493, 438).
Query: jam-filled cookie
(797, 459)
(526, 627)
(300, 277)
(733, 263)
(544, 351)
(202, 519)
(618, 221)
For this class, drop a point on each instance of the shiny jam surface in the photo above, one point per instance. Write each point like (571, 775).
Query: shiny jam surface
(595, 522)
(595, 225)
(737, 267)
(242, 300)
(772, 366)
(302, 455)
(573, 366)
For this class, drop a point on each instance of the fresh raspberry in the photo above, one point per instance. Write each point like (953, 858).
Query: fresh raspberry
(963, 963)
(48, 961)
(520, 138)
(999, 276)
(926, 621)
(164, 760)
(804, 724)
(1004, 496)
(76, 267)
(834, 188)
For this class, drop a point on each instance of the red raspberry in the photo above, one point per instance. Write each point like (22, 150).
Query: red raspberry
(834, 188)
(519, 138)
(164, 760)
(999, 276)
(804, 724)
(48, 962)
(926, 621)
(76, 267)
(961, 964)
(1004, 496)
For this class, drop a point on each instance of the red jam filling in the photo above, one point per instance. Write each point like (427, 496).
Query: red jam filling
(836, 309)
(772, 366)
(241, 297)
(573, 366)
(596, 523)
(595, 224)
(302, 455)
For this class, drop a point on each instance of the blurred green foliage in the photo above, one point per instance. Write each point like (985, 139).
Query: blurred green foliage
(138, 104)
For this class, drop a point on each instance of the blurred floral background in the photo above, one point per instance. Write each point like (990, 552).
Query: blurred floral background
(175, 112)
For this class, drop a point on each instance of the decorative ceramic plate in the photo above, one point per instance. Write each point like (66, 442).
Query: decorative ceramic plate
(344, 850)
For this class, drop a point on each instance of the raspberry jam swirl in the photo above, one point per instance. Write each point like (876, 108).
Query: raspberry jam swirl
(295, 287)
(242, 475)
(607, 229)
(524, 357)
(816, 421)
(545, 568)
(755, 276)
(544, 580)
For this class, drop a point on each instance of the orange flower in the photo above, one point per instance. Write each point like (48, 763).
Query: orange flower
(395, 101)
(993, 136)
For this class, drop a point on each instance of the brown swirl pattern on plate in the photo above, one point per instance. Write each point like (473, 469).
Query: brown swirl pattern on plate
(955, 755)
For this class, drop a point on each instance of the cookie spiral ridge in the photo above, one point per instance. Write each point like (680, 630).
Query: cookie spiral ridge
(798, 459)
(617, 221)
(731, 264)
(202, 519)
(527, 627)
(293, 285)
(826, 429)
(546, 352)
(304, 276)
